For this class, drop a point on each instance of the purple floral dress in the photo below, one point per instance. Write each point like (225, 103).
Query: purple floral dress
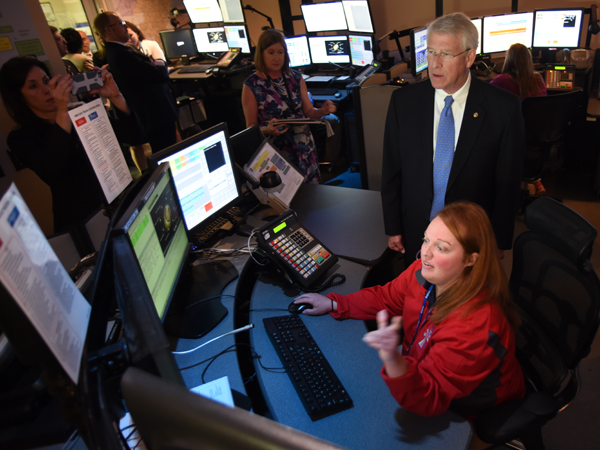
(272, 102)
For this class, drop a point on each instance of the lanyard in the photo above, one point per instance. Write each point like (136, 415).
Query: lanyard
(419, 324)
(288, 98)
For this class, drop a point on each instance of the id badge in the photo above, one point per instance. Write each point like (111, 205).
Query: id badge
(298, 129)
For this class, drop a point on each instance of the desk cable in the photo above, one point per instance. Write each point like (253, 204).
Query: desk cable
(238, 330)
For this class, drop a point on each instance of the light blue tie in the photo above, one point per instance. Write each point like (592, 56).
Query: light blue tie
(444, 153)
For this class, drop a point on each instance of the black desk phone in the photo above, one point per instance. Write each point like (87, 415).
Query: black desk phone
(293, 248)
(369, 70)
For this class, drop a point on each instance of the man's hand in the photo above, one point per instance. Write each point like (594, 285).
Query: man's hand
(395, 243)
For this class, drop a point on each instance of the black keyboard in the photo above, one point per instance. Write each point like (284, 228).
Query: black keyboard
(220, 225)
(323, 91)
(195, 69)
(317, 385)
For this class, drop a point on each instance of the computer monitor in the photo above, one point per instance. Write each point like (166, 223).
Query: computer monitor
(361, 49)
(502, 31)
(204, 175)
(324, 17)
(178, 43)
(237, 37)
(358, 16)
(329, 49)
(232, 11)
(155, 230)
(297, 48)
(210, 40)
(477, 22)
(203, 11)
(557, 28)
(418, 50)
(150, 238)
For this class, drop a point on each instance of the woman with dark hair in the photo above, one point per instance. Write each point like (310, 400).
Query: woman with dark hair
(74, 41)
(275, 92)
(45, 141)
(138, 41)
(454, 306)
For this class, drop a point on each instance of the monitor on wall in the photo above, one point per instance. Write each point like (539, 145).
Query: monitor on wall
(232, 11)
(358, 16)
(178, 43)
(418, 50)
(502, 31)
(361, 49)
(297, 48)
(478, 24)
(203, 11)
(557, 28)
(329, 49)
(324, 17)
(210, 40)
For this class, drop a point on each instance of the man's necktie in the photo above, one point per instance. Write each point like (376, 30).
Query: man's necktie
(444, 153)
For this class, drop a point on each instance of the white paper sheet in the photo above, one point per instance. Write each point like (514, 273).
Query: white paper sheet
(32, 274)
(100, 143)
(217, 390)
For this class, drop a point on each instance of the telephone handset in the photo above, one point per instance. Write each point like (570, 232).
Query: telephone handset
(369, 70)
(293, 248)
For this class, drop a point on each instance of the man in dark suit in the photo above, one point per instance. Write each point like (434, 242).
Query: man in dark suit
(142, 80)
(481, 125)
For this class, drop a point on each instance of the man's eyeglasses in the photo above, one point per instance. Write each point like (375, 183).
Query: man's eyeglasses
(444, 56)
(122, 22)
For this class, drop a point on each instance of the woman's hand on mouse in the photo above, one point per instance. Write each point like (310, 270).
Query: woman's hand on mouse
(274, 128)
(320, 304)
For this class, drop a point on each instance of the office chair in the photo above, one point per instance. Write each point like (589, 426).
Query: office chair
(546, 120)
(557, 294)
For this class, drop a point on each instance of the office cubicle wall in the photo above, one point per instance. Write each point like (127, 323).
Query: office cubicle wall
(370, 106)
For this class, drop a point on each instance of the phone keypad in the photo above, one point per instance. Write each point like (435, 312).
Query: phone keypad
(289, 249)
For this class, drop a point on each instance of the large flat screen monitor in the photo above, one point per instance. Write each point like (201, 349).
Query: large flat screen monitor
(478, 24)
(297, 48)
(329, 49)
(358, 16)
(361, 49)
(237, 37)
(204, 175)
(210, 40)
(324, 17)
(232, 11)
(178, 43)
(557, 28)
(418, 50)
(203, 11)
(500, 32)
(154, 226)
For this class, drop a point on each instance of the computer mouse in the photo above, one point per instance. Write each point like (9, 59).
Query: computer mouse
(338, 94)
(297, 308)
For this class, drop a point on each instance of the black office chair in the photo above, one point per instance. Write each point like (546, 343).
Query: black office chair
(546, 121)
(557, 294)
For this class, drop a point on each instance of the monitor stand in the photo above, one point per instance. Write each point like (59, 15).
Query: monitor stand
(196, 306)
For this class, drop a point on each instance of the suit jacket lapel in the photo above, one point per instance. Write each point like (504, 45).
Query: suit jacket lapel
(424, 114)
(469, 130)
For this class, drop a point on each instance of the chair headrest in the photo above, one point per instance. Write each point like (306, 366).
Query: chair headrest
(568, 231)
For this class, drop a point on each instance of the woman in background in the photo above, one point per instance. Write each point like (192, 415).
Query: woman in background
(519, 78)
(275, 92)
(147, 47)
(82, 63)
(458, 349)
(45, 140)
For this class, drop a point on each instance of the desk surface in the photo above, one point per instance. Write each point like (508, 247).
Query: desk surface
(348, 221)
(376, 421)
